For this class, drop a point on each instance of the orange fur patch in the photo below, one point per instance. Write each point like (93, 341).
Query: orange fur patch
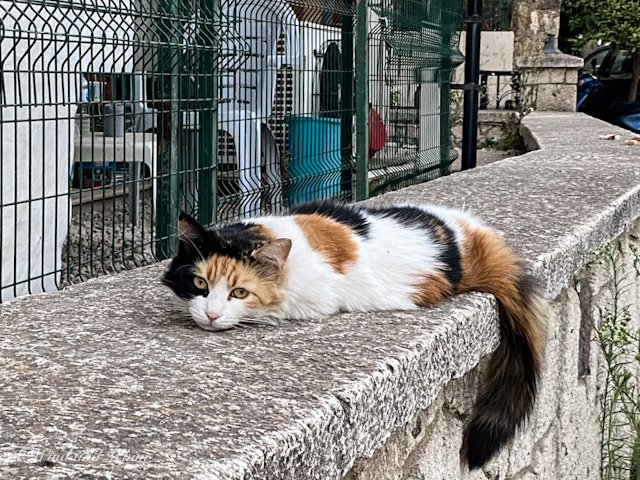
(264, 231)
(432, 289)
(489, 265)
(238, 274)
(333, 240)
(441, 234)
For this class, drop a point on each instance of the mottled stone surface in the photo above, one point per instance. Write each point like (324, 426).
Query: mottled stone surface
(556, 61)
(108, 369)
(531, 22)
(550, 82)
(106, 380)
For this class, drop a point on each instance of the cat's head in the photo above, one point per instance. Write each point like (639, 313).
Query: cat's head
(227, 276)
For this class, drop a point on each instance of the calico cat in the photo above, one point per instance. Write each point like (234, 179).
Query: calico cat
(325, 258)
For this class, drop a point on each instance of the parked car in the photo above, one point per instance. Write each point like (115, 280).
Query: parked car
(603, 87)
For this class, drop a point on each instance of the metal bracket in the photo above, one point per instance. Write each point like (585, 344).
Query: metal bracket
(468, 87)
(473, 19)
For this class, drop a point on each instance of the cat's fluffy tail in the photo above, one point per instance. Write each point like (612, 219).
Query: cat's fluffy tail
(509, 389)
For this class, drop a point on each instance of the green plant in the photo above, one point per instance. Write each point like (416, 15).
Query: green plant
(524, 105)
(455, 115)
(619, 343)
(635, 251)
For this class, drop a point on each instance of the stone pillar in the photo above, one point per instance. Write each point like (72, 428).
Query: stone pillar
(550, 79)
(530, 22)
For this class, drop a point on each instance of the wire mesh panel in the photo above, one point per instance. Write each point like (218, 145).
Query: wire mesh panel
(115, 115)
(413, 47)
(94, 105)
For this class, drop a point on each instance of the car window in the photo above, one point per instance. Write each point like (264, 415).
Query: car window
(594, 61)
(621, 63)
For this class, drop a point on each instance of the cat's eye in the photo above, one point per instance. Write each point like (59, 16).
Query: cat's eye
(200, 283)
(239, 293)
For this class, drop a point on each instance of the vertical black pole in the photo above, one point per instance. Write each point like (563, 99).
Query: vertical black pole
(445, 91)
(472, 82)
(346, 107)
(208, 131)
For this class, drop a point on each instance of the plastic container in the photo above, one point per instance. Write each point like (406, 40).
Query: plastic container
(114, 120)
(315, 159)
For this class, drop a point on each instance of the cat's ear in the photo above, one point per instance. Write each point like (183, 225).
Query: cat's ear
(272, 256)
(190, 233)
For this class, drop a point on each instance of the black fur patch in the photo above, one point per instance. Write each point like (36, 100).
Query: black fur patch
(345, 214)
(509, 391)
(179, 276)
(415, 217)
(237, 241)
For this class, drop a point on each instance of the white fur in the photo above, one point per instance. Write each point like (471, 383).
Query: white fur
(390, 262)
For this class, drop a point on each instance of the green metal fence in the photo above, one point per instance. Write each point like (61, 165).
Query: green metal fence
(413, 46)
(117, 114)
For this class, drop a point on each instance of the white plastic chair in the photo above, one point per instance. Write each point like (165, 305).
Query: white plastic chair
(247, 92)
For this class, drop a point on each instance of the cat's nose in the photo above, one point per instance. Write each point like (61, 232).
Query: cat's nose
(212, 316)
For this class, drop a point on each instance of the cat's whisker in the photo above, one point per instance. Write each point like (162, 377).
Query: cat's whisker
(183, 267)
(271, 322)
(181, 307)
(196, 248)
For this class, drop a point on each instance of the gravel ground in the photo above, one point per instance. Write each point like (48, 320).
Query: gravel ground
(102, 240)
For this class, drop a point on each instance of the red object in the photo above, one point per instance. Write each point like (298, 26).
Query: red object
(377, 133)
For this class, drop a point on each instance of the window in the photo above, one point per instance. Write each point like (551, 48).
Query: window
(621, 63)
(594, 61)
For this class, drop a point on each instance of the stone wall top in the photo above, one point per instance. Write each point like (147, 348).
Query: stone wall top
(106, 378)
(550, 60)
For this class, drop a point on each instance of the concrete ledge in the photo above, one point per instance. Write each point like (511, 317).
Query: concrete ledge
(105, 379)
(550, 60)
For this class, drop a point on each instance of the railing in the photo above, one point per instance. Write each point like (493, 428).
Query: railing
(500, 90)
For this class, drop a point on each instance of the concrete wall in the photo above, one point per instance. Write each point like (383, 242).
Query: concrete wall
(496, 51)
(496, 54)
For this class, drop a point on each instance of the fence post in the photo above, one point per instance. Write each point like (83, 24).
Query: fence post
(346, 97)
(471, 87)
(169, 124)
(362, 100)
(208, 93)
(445, 91)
